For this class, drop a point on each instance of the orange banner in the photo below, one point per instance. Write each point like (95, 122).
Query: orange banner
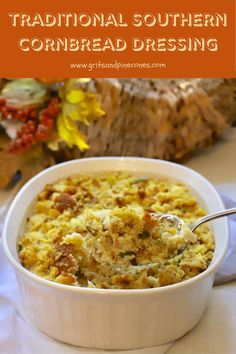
(147, 38)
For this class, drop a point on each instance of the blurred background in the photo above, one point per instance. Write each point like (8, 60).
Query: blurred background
(46, 121)
(190, 121)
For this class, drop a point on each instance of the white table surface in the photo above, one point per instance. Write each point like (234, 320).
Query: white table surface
(216, 332)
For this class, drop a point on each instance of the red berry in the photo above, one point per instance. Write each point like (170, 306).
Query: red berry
(33, 114)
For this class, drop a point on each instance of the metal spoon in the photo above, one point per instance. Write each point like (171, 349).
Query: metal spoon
(178, 223)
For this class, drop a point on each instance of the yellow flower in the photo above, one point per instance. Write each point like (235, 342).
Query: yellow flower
(77, 106)
(69, 132)
(82, 106)
(75, 96)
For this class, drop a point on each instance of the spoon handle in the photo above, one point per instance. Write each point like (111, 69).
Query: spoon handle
(210, 217)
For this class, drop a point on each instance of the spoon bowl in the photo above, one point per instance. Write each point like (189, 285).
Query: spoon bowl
(175, 221)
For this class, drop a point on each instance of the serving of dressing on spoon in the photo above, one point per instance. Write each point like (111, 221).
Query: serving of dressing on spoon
(175, 221)
(184, 234)
(175, 234)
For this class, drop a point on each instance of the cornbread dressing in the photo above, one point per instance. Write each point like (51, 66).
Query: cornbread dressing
(99, 231)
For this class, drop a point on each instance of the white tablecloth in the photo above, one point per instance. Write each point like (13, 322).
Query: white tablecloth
(216, 332)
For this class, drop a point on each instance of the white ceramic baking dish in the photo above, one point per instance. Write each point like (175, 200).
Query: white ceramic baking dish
(114, 319)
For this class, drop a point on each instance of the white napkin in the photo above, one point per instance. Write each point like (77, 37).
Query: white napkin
(17, 336)
(227, 271)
